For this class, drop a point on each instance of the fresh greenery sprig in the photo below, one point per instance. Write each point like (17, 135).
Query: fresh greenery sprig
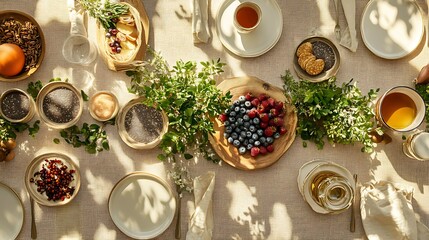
(93, 137)
(9, 130)
(33, 88)
(106, 13)
(423, 90)
(188, 96)
(341, 114)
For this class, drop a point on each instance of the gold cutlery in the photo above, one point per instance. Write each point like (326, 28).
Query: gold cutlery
(33, 220)
(178, 232)
(337, 22)
(352, 218)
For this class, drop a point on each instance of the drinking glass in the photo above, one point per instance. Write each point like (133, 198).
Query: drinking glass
(79, 49)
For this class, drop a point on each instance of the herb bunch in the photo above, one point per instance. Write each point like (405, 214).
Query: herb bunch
(93, 137)
(423, 90)
(8, 130)
(341, 114)
(188, 96)
(106, 14)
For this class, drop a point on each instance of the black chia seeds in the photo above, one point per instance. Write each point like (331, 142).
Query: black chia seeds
(15, 105)
(143, 124)
(324, 51)
(61, 105)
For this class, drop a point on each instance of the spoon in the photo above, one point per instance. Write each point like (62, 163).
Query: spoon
(178, 232)
(33, 220)
(352, 217)
(337, 24)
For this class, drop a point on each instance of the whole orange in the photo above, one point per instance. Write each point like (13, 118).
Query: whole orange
(12, 59)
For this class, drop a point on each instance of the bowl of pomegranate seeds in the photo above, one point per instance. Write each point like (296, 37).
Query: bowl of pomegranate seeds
(257, 128)
(52, 179)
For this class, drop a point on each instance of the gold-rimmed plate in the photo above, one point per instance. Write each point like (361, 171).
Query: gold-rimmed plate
(240, 86)
(328, 71)
(23, 18)
(142, 205)
(36, 165)
(12, 213)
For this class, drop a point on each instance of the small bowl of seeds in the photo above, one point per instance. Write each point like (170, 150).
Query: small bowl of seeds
(59, 105)
(141, 126)
(316, 59)
(16, 106)
(21, 29)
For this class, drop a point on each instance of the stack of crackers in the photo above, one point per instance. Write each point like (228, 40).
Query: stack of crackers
(307, 61)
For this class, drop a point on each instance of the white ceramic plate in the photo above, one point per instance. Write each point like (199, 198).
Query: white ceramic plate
(36, 165)
(257, 42)
(323, 167)
(12, 213)
(305, 169)
(142, 205)
(392, 29)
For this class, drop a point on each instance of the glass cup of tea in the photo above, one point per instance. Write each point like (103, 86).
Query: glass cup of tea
(247, 17)
(417, 146)
(400, 109)
(333, 192)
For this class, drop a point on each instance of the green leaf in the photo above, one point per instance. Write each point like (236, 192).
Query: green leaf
(84, 96)
(56, 140)
(187, 156)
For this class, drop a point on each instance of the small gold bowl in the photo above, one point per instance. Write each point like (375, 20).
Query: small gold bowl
(22, 18)
(140, 126)
(59, 105)
(101, 104)
(20, 103)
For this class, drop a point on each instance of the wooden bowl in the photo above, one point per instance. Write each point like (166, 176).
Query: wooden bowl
(240, 86)
(23, 17)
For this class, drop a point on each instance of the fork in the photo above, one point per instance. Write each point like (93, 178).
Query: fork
(337, 22)
(178, 232)
(33, 221)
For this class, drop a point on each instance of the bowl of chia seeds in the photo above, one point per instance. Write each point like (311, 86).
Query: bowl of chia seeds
(321, 48)
(16, 106)
(141, 126)
(59, 105)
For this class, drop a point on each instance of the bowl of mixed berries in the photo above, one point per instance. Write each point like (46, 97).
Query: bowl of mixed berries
(258, 127)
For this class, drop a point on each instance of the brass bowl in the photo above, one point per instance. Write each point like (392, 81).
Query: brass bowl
(23, 17)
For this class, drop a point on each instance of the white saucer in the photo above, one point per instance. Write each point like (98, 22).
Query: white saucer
(392, 29)
(12, 213)
(317, 167)
(257, 42)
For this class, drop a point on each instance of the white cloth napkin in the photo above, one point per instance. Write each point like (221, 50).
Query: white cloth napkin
(387, 212)
(348, 35)
(76, 19)
(201, 222)
(200, 25)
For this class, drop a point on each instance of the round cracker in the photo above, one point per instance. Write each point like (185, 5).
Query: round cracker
(314, 67)
(305, 57)
(306, 47)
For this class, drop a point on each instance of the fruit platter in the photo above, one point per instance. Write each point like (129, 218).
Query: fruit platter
(271, 124)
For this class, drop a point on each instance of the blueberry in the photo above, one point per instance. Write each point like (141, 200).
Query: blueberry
(276, 135)
(256, 120)
(242, 150)
(249, 134)
(225, 135)
(236, 102)
(241, 139)
(245, 142)
(262, 140)
(260, 132)
(236, 143)
(265, 144)
(247, 104)
(246, 124)
(227, 111)
(246, 118)
(226, 123)
(251, 141)
(237, 130)
(231, 119)
(234, 135)
(255, 136)
(243, 134)
(242, 98)
(242, 110)
(232, 114)
(252, 128)
(270, 140)
(230, 139)
(228, 129)
(237, 109)
(257, 143)
(249, 146)
(242, 105)
(240, 121)
(232, 126)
